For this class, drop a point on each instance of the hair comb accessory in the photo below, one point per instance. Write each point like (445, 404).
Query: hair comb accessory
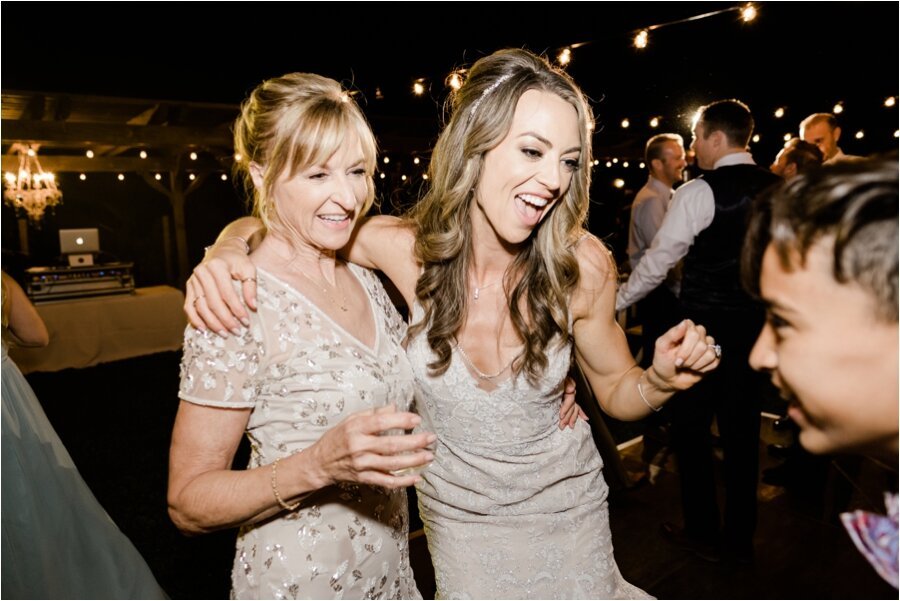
(486, 92)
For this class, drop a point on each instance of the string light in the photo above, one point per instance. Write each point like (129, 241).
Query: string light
(381, 175)
(143, 154)
(787, 137)
(779, 112)
(619, 183)
(403, 178)
(748, 13)
(157, 177)
(860, 135)
(121, 177)
(626, 123)
(642, 165)
(641, 39)
(425, 176)
(237, 157)
(838, 108)
(419, 87)
(82, 176)
(192, 177)
(615, 161)
(654, 122)
(224, 177)
(897, 133)
(565, 56)
(386, 160)
(755, 138)
(89, 154)
(416, 161)
(625, 164)
(454, 80)
(193, 156)
(890, 101)
(609, 163)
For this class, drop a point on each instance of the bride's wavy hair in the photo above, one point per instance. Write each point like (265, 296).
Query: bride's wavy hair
(541, 278)
(292, 122)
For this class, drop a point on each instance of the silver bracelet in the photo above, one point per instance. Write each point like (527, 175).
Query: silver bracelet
(643, 398)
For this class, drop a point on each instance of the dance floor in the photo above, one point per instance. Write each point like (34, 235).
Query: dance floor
(116, 418)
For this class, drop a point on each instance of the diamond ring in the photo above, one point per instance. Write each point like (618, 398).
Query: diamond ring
(717, 348)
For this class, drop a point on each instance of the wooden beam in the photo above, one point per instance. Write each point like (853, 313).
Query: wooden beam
(50, 132)
(152, 164)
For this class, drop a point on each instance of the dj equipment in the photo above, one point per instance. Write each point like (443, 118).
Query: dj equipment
(57, 283)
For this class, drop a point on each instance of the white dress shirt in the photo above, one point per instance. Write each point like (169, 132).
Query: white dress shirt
(647, 213)
(691, 211)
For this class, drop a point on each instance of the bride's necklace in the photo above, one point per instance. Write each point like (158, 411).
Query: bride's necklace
(478, 288)
(477, 371)
(342, 304)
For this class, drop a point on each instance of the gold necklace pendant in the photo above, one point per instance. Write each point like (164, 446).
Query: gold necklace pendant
(342, 305)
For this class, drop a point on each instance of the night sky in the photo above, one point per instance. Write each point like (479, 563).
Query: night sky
(803, 56)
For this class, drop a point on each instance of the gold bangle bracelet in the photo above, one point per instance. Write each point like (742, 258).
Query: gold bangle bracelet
(275, 489)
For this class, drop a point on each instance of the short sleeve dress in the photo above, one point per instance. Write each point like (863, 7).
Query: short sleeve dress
(301, 374)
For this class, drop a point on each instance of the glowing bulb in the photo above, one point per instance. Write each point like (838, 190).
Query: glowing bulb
(897, 133)
(755, 137)
(642, 165)
(455, 80)
(143, 154)
(787, 137)
(626, 123)
(596, 162)
(425, 176)
(82, 176)
(416, 161)
(615, 161)
(157, 177)
(121, 177)
(860, 135)
(10, 177)
(193, 156)
(890, 101)
(403, 178)
(381, 175)
(619, 183)
(779, 112)
(89, 154)
(609, 163)
(192, 177)
(654, 122)
(838, 108)
(565, 57)
(237, 157)
(748, 13)
(224, 177)
(386, 160)
(625, 164)
(641, 39)
(418, 87)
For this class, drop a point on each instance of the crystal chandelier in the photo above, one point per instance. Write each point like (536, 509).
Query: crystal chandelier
(31, 189)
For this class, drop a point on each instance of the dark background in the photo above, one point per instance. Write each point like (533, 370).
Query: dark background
(804, 57)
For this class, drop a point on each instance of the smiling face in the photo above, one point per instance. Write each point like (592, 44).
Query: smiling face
(830, 356)
(321, 204)
(530, 170)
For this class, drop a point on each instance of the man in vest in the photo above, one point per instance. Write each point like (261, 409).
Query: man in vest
(705, 225)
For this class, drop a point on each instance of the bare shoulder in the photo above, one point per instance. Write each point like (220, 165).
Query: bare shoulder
(595, 261)
(380, 241)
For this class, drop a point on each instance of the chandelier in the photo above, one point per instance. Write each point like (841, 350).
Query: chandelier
(31, 189)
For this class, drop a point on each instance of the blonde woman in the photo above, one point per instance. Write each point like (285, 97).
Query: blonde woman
(315, 379)
(506, 288)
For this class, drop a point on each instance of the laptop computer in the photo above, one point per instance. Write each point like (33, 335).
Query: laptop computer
(79, 245)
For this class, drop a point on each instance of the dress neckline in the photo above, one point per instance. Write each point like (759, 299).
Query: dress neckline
(373, 350)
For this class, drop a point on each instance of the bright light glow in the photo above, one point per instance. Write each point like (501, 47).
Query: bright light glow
(224, 177)
(455, 80)
(158, 176)
(890, 101)
(386, 160)
(654, 122)
(787, 137)
(897, 133)
(565, 57)
(643, 164)
(425, 176)
(143, 154)
(609, 163)
(625, 164)
(755, 138)
(779, 112)
(89, 154)
(10, 177)
(381, 175)
(82, 176)
(418, 87)
(192, 177)
(121, 177)
(193, 156)
(641, 39)
(748, 13)
(626, 123)
(596, 162)
(237, 157)
(838, 108)
(619, 183)
(615, 161)
(403, 178)
(860, 135)
(416, 161)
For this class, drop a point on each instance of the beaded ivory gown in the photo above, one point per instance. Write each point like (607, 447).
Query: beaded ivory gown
(302, 374)
(513, 506)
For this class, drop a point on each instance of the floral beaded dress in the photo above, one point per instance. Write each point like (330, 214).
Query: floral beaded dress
(514, 507)
(302, 374)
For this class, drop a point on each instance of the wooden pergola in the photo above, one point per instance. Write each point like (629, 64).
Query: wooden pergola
(116, 130)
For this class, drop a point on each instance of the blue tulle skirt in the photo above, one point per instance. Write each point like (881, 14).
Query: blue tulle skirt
(58, 542)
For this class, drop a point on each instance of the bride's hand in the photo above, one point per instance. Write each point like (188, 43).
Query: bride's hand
(569, 411)
(210, 301)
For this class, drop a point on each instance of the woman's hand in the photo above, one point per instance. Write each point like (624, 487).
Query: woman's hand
(569, 411)
(210, 301)
(356, 450)
(683, 355)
